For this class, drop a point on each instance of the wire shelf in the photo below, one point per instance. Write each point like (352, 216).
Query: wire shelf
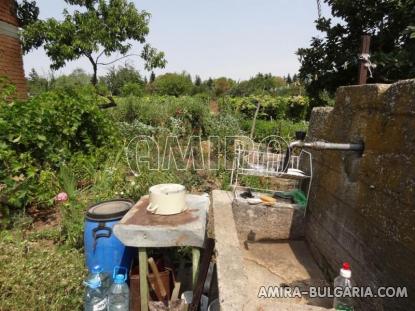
(253, 162)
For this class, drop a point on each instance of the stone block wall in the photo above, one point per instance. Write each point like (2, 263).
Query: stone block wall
(362, 206)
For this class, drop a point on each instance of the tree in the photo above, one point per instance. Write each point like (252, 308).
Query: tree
(152, 77)
(259, 84)
(288, 79)
(173, 84)
(37, 84)
(222, 86)
(117, 78)
(332, 61)
(209, 83)
(198, 81)
(27, 12)
(78, 78)
(102, 27)
(132, 89)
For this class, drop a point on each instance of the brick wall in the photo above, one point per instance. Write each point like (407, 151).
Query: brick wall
(11, 63)
(8, 12)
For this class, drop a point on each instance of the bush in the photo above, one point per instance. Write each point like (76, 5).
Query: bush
(132, 89)
(72, 82)
(283, 128)
(37, 136)
(173, 84)
(117, 78)
(190, 113)
(271, 107)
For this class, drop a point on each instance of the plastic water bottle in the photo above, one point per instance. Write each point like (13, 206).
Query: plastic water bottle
(343, 281)
(95, 296)
(97, 273)
(119, 293)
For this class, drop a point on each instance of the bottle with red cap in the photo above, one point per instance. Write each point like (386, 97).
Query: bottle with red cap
(343, 288)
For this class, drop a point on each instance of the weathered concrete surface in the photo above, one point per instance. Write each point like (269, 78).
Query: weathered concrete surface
(282, 264)
(231, 277)
(361, 209)
(139, 228)
(261, 222)
(242, 268)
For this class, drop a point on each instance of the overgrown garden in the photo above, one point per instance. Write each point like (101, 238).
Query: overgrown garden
(71, 135)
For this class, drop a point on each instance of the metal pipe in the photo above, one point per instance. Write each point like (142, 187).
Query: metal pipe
(321, 145)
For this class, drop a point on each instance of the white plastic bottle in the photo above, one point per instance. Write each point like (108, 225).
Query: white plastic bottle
(95, 296)
(119, 294)
(343, 282)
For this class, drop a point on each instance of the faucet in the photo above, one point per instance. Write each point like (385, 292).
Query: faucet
(318, 145)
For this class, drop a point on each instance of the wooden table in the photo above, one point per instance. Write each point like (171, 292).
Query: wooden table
(141, 229)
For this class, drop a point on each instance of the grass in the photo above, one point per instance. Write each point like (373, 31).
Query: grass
(36, 274)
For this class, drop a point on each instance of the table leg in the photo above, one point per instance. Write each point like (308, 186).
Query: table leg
(195, 264)
(142, 261)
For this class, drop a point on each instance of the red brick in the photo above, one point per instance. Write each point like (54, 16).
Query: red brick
(11, 63)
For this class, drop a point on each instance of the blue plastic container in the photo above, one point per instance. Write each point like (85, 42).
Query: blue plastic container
(101, 245)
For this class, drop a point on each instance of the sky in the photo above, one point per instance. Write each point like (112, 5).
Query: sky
(212, 38)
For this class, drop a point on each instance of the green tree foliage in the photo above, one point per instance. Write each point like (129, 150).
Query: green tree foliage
(173, 84)
(117, 78)
(37, 84)
(198, 81)
(152, 77)
(42, 133)
(222, 85)
(100, 28)
(261, 83)
(132, 89)
(72, 82)
(27, 12)
(266, 129)
(332, 61)
(271, 107)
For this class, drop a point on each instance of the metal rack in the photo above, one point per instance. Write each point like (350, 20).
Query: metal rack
(253, 162)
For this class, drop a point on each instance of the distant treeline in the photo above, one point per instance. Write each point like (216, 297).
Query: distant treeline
(126, 80)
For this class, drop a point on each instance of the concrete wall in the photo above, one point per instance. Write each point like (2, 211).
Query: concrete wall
(362, 208)
(11, 63)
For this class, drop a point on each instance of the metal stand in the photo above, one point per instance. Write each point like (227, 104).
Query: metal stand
(271, 165)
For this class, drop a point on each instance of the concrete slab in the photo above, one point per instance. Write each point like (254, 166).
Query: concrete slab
(282, 264)
(244, 266)
(258, 222)
(139, 228)
(232, 280)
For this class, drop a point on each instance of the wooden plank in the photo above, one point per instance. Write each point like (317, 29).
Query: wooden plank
(160, 291)
(362, 68)
(142, 258)
(195, 264)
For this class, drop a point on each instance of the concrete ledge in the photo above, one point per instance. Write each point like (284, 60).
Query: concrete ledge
(231, 276)
(259, 222)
